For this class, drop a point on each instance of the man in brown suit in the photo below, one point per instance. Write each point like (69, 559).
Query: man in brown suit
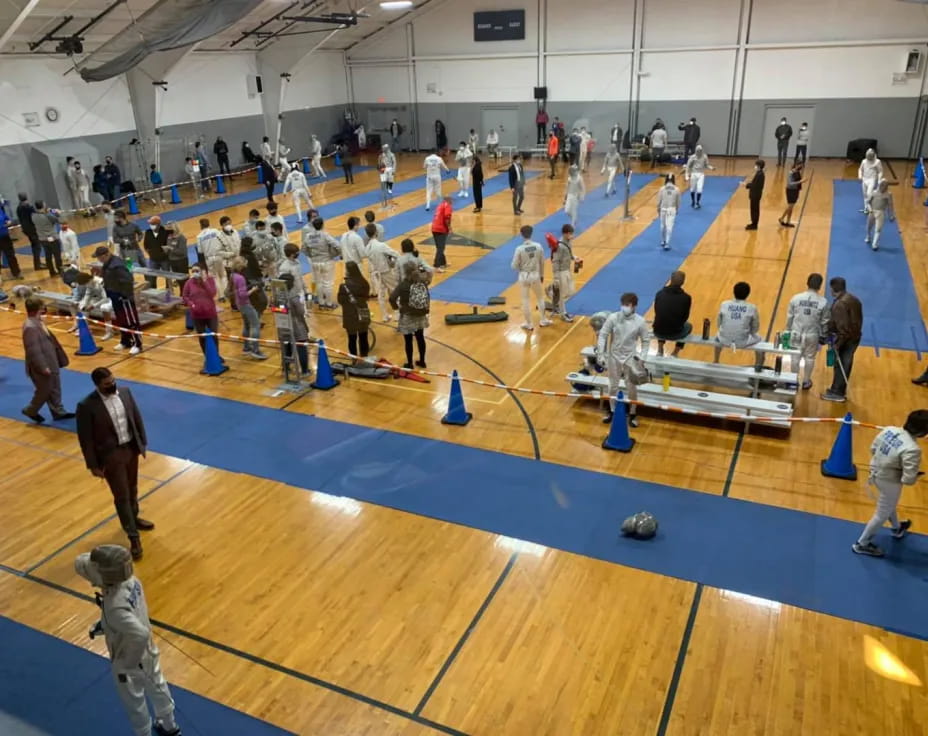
(112, 436)
(44, 361)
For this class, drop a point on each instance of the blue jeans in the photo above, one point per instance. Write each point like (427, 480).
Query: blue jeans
(251, 328)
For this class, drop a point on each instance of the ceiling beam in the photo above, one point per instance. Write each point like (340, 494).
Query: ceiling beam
(14, 26)
(409, 15)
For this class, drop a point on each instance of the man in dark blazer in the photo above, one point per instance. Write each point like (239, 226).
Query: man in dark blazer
(517, 183)
(755, 189)
(112, 437)
(44, 361)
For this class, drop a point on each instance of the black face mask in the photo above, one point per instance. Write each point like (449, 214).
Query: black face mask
(108, 390)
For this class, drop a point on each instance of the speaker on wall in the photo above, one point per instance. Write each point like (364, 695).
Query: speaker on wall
(541, 93)
(253, 84)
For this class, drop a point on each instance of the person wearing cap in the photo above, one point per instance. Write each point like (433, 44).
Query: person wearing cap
(119, 287)
(153, 242)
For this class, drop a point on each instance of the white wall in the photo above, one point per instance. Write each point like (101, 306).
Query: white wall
(35, 83)
(569, 77)
(836, 20)
(693, 22)
(383, 83)
(612, 28)
(476, 80)
(687, 75)
(208, 87)
(318, 81)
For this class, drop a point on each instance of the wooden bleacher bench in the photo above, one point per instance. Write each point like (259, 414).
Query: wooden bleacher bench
(691, 401)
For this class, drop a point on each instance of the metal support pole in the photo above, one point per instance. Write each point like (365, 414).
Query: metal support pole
(628, 216)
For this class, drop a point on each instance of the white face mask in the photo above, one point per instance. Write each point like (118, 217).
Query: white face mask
(627, 309)
(227, 228)
(154, 228)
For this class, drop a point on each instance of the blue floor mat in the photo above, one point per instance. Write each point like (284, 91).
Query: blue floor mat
(793, 557)
(58, 688)
(643, 266)
(880, 279)
(492, 274)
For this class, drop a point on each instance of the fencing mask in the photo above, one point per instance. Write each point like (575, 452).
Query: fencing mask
(598, 320)
(113, 562)
(642, 525)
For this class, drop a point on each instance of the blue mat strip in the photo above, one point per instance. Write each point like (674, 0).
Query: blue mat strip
(643, 266)
(782, 555)
(60, 688)
(881, 279)
(492, 274)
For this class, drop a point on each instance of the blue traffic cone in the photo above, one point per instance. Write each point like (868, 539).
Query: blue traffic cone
(175, 195)
(919, 182)
(260, 175)
(133, 205)
(212, 364)
(325, 380)
(306, 168)
(840, 463)
(220, 185)
(618, 438)
(457, 414)
(87, 345)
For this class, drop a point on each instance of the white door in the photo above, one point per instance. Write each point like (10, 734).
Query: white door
(795, 115)
(506, 122)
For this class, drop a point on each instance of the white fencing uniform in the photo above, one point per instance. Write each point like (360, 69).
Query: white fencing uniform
(282, 153)
(869, 173)
(473, 142)
(296, 184)
(668, 202)
(619, 340)
(193, 173)
(585, 138)
(806, 321)
(387, 161)
(433, 166)
(696, 168)
(562, 261)
(574, 195)
(739, 323)
(492, 143)
(529, 261)
(321, 249)
(894, 462)
(316, 153)
(70, 247)
(266, 153)
(95, 299)
(134, 658)
(879, 204)
(353, 248)
(464, 157)
(81, 188)
(612, 164)
(383, 274)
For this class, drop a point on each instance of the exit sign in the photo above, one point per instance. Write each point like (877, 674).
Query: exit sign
(499, 25)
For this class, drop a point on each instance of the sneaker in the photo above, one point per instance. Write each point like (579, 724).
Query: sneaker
(806, 385)
(903, 529)
(440, 269)
(608, 418)
(633, 420)
(867, 549)
(545, 323)
(119, 347)
(831, 396)
(750, 227)
(107, 336)
(698, 206)
(135, 350)
(874, 247)
(789, 224)
(665, 246)
(867, 240)
(527, 326)
(421, 364)
(567, 317)
(922, 380)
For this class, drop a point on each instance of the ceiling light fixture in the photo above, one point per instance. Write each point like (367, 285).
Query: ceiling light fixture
(396, 4)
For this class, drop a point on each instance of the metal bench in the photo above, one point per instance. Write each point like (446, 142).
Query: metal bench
(160, 300)
(758, 347)
(694, 402)
(67, 303)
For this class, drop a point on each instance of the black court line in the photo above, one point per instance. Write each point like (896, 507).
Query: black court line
(892, 171)
(467, 632)
(107, 520)
(678, 665)
(789, 257)
(260, 661)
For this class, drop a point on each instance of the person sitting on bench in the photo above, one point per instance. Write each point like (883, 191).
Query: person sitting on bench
(671, 312)
(738, 322)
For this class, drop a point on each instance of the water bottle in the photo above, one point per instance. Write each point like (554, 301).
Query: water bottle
(830, 357)
(705, 329)
(129, 264)
(776, 340)
(787, 340)
(666, 382)
(778, 365)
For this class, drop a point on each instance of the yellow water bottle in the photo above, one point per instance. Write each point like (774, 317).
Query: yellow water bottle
(666, 382)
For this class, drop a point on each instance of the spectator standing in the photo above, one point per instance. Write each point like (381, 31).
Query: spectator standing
(24, 212)
(6, 245)
(353, 294)
(120, 288)
(411, 298)
(45, 222)
(441, 228)
(44, 358)
(199, 296)
(844, 331)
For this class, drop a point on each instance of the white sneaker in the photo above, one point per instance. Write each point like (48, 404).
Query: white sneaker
(119, 347)
(107, 336)
(545, 323)
(867, 240)
(527, 326)
(135, 350)
(388, 318)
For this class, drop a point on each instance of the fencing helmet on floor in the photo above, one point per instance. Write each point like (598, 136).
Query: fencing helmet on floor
(642, 525)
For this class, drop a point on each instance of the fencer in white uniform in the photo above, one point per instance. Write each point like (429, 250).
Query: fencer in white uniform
(613, 165)
(386, 164)
(696, 168)
(95, 299)
(738, 322)
(321, 249)
(574, 194)
(81, 183)
(383, 270)
(807, 322)
(315, 151)
(562, 265)
(894, 462)
(585, 138)
(464, 158)
(473, 140)
(623, 335)
(283, 151)
(493, 143)
(299, 190)
(870, 173)
(668, 204)
(529, 262)
(433, 166)
(352, 244)
(134, 658)
(267, 153)
(881, 207)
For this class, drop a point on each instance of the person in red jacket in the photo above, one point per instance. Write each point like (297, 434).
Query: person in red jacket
(200, 297)
(441, 227)
(554, 146)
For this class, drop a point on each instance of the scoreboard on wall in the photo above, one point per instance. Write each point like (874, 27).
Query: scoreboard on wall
(499, 25)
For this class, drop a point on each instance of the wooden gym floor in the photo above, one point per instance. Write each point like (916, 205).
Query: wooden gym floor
(565, 644)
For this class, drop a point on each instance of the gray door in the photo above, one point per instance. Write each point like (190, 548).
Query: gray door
(795, 115)
(506, 122)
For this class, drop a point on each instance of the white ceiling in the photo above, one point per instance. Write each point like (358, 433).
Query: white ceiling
(48, 13)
